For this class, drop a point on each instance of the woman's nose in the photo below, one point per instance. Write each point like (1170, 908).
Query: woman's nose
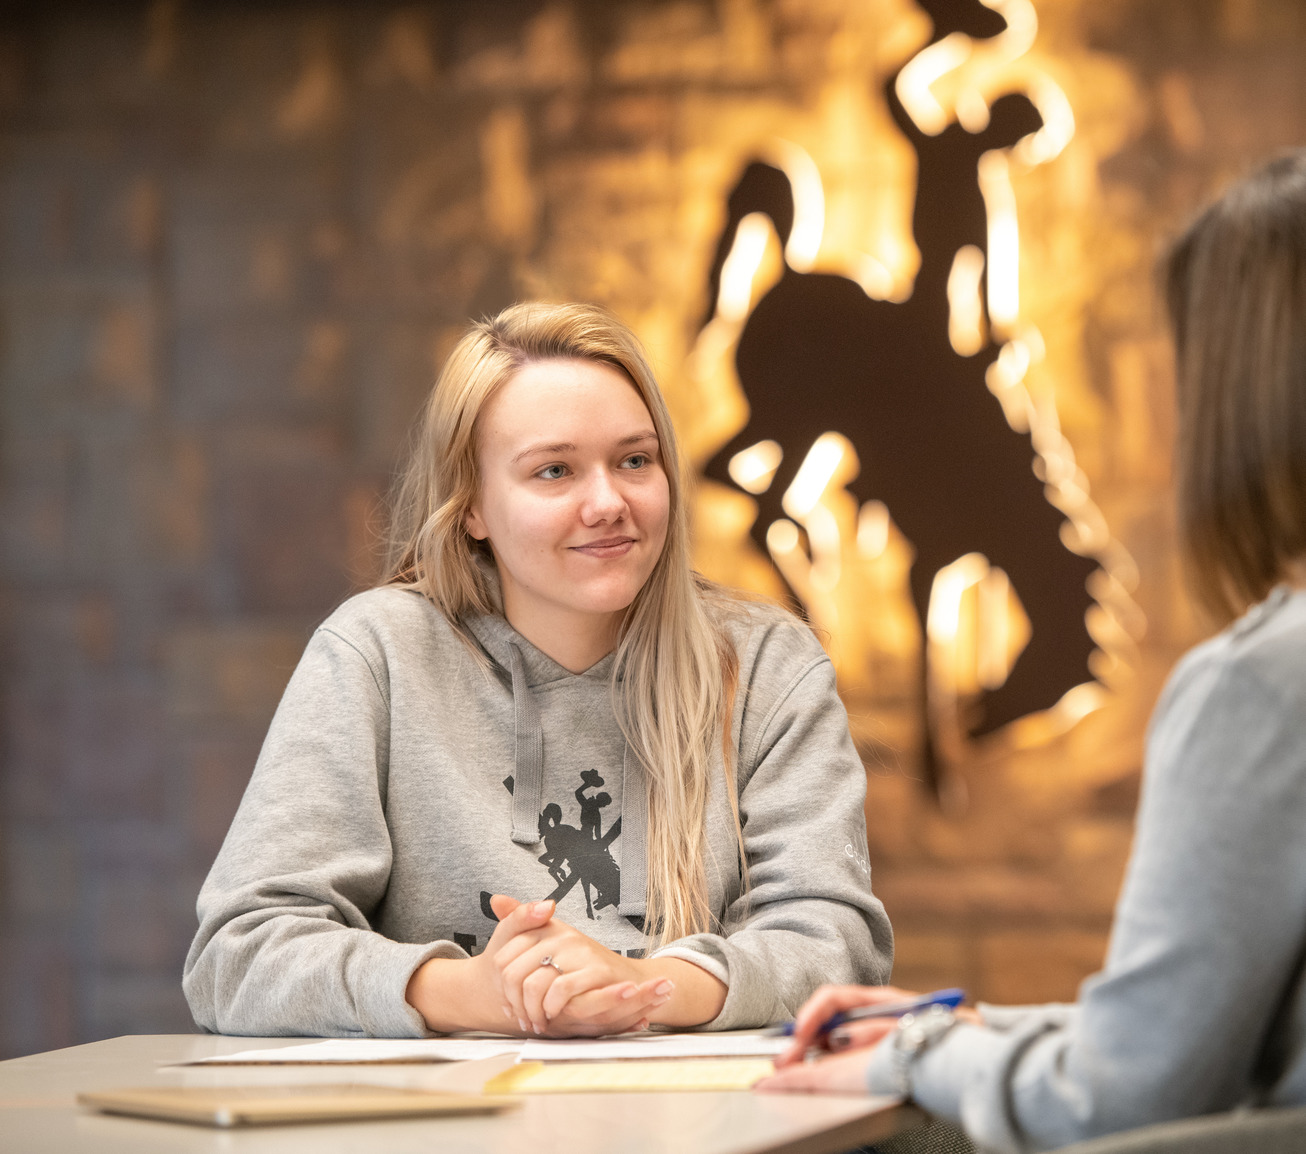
(603, 499)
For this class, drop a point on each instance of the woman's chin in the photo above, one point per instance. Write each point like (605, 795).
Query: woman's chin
(610, 593)
(608, 603)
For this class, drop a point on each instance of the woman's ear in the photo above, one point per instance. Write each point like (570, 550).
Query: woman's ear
(474, 525)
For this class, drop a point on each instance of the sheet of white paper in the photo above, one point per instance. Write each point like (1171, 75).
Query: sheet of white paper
(364, 1050)
(654, 1046)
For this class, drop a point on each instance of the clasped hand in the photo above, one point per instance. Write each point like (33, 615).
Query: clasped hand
(583, 989)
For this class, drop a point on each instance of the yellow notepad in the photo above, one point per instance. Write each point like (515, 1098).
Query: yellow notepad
(630, 1076)
(260, 1105)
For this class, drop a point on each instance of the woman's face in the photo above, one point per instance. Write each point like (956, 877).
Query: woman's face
(573, 496)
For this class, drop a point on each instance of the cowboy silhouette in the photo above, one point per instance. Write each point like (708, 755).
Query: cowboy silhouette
(590, 816)
(577, 856)
(817, 354)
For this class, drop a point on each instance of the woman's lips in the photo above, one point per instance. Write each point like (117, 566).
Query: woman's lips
(607, 547)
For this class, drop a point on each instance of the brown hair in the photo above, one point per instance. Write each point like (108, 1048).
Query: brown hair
(675, 670)
(1236, 289)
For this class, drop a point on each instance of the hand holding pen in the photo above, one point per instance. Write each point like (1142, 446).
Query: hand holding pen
(841, 1017)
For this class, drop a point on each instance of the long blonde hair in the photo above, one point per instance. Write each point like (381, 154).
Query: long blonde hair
(675, 669)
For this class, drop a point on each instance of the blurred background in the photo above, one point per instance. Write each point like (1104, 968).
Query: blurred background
(237, 239)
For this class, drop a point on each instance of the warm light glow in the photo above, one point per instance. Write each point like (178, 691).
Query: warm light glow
(809, 204)
(950, 583)
(826, 544)
(735, 297)
(994, 620)
(1058, 124)
(872, 529)
(976, 627)
(972, 109)
(888, 272)
(918, 75)
(1079, 701)
(1005, 377)
(782, 537)
(965, 306)
(753, 469)
(876, 280)
(1004, 239)
(1022, 25)
(828, 452)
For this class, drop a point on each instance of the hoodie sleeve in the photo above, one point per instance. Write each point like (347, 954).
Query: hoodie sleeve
(808, 916)
(284, 945)
(1196, 1010)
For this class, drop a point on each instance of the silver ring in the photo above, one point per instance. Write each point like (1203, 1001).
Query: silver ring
(547, 960)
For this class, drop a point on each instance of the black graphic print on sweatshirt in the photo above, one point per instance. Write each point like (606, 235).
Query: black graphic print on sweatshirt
(578, 854)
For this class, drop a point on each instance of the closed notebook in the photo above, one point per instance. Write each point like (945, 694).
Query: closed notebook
(262, 1105)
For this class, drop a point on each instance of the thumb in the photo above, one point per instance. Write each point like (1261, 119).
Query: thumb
(503, 905)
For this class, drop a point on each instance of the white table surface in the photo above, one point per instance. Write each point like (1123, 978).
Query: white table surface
(38, 1111)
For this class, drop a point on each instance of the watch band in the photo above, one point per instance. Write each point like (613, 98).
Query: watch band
(916, 1034)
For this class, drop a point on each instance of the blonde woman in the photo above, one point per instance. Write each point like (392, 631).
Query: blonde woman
(1201, 1006)
(545, 780)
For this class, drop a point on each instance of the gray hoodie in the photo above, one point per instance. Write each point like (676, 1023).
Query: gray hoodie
(403, 781)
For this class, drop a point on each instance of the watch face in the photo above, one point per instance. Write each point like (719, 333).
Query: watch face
(917, 1031)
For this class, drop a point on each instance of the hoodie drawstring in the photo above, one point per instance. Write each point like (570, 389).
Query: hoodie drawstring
(634, 826)
(528, 775)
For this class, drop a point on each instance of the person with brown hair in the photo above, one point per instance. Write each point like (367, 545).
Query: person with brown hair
(1201, 1004)
(424, 844)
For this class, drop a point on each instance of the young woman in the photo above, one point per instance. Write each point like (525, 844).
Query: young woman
(545, 780)
(1201, 1006)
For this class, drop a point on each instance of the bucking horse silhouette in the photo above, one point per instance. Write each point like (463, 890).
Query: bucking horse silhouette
(818, 354)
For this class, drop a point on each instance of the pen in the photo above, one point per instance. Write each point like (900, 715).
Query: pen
(951, 998)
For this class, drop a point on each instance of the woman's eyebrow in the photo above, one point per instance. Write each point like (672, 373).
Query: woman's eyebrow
(569, 447)
(554, 447)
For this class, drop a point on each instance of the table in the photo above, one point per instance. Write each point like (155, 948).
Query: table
(38, 1111)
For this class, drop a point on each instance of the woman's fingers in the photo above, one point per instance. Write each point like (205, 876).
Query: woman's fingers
(574, 983)
(613, 1009)
(521, 944)
(514, 976)
(638, 1008)
(838, 1074)
(534, 987)
(521, 961)
(608, 993)
(591, 1009)
(858, 1034)
(501, 905)
(519, 924)
(618, 1006)
(519, 918)
(823, 1005)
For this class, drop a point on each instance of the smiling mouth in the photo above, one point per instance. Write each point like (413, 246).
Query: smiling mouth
(607, 547)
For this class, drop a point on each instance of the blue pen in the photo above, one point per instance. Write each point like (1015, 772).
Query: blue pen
(951, 998)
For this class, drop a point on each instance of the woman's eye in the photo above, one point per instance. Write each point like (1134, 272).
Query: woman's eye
(553, 472)
(637, 460)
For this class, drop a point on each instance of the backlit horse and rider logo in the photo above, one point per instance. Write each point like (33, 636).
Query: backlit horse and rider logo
(817, 353)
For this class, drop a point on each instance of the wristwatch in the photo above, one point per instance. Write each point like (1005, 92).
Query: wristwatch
(916, 1034)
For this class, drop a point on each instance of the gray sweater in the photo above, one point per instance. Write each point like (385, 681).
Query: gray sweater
(402, 782)
(1200, 1006)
